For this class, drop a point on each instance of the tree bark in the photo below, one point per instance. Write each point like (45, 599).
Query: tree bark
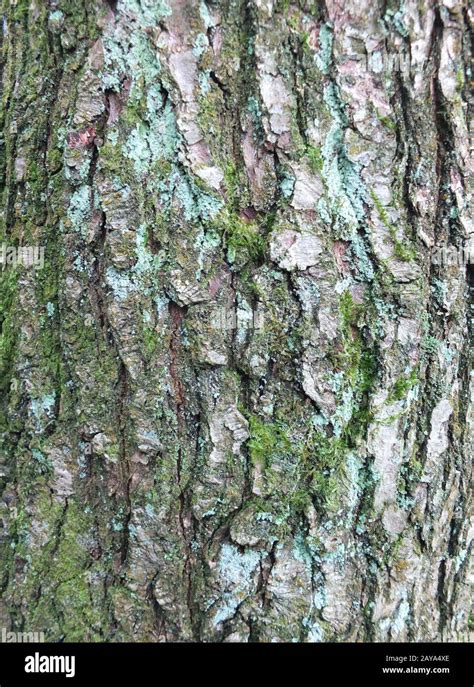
(235, 399)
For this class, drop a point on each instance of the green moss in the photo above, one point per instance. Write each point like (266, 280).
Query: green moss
(8, 326)
(349, 310)
(237, 190)
(47, 293)
(209, 117)
(299, 500)
(352, 350)
(242, 239)
(112, 160)
(415, 469)
(150, 339)
(325, 488)
(282, 6)
(233, 181)
(267, 441)
(460, 80)
(68, 594)
(402, 251)
(327, 458)
(315, 159)
(357, 362)
(54, 160)
(402, 386)
(386, 121)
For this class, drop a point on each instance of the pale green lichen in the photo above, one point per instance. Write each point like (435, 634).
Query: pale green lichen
(79, 209)
(121, 283)
(237, 570)
(42, 409)
(155, 138)
(148, 12)
(147, 263)
(323, 58)
(200, 45)
(131, 53)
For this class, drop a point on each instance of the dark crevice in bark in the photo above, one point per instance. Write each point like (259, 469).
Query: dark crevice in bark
(265, 575)
(442, 599)
(98, 297)
(177, 315)
(112, 4)
(123, 384)
(405, 143)
(445, 134)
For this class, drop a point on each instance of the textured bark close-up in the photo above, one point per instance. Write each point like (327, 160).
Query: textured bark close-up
(236, 392)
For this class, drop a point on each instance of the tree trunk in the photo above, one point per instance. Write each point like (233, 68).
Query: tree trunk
(235, 399)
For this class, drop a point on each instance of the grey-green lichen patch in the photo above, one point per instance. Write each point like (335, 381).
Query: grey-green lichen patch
(323, 58)
(239, 573)
(80, 208)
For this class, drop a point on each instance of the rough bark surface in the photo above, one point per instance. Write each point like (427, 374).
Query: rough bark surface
(235, 402)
